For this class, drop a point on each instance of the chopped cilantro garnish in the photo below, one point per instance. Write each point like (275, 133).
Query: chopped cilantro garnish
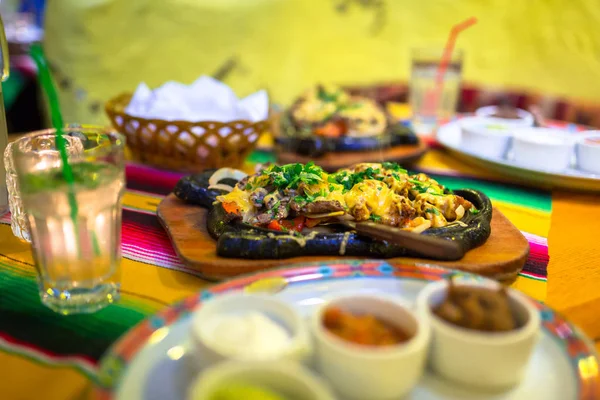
(291, 175)
(433, 211)
(312, 197)
(425, 187)
(394, 167)
(368, 173)
(348, 180)
(328, 97)
(343, 178)
(349, 106)
(299, 199)
(375, 218)
(309, 178)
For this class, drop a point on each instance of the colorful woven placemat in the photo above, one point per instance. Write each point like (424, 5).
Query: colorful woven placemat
(36, 345)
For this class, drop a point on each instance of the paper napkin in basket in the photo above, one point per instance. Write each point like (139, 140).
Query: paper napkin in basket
(207, 99)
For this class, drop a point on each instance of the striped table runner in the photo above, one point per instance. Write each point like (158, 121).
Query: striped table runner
(55, 356)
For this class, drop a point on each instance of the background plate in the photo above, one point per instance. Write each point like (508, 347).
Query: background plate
(449, 136)
(332, 161)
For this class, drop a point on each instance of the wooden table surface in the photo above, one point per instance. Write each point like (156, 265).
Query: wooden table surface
(574, 269)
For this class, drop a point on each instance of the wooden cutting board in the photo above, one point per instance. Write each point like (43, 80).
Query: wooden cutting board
(502, 257)
(403, 155)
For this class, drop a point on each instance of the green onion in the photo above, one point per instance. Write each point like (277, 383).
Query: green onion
(375, 218)
(432, 211)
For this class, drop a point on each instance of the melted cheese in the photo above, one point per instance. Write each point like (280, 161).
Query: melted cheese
(387, 199)
(344, 243)
(335, 196)
(313, 111)
(361, 115)
(301, 240)
(329, 195)
(372, 195)
(258, 181)
(239, 197)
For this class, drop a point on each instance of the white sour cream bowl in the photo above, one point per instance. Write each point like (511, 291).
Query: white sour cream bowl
(485, 137)
(486, 360)
(248, 327)
(588, 152)
(544, 149)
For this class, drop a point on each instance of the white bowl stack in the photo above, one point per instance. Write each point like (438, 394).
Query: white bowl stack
(588, 152)
(517, 141)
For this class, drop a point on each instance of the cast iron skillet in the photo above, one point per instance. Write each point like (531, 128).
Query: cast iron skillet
(239, 240)
(307, 144)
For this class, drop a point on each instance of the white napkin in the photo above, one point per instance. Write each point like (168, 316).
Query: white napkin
(207, 99)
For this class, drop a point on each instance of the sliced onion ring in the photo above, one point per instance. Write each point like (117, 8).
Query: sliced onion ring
(460, 212)
(420, 228)
(223, 173)
(221, 186)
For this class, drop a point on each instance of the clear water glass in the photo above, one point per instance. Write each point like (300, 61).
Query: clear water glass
(4, 69)
(18, 221)
(75, 228)
(427, 114)
(3, 185)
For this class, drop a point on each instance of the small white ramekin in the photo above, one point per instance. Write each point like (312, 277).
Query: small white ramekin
(544, 149)
(206, 348)
(588, 152)
(365, 372)
(487, 360)
(289, 379)
(485, 138)
(525, 117)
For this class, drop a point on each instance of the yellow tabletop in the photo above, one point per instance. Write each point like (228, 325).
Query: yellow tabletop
(46, 355)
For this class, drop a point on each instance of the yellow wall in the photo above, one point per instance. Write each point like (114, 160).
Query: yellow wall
(108, 46)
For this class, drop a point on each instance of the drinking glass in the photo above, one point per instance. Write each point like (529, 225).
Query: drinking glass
(4, 68)
(18, 217)
(74, 215)
(428, 112)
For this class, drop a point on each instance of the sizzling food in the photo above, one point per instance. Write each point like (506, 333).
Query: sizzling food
(296, 196)
(332, 112)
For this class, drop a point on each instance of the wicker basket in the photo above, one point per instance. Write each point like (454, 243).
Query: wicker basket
(182, 145)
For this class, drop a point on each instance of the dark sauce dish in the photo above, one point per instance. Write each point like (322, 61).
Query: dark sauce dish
(240, 240)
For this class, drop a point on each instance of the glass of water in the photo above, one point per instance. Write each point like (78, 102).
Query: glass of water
(18, 217)
(428, 112)
(75, 227)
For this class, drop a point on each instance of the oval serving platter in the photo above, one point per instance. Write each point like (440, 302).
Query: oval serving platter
(152, 360)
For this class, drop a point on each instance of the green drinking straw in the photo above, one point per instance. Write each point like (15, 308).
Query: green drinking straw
(57, 122)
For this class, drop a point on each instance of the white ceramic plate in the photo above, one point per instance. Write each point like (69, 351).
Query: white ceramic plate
(152, 360)
(449, 136)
